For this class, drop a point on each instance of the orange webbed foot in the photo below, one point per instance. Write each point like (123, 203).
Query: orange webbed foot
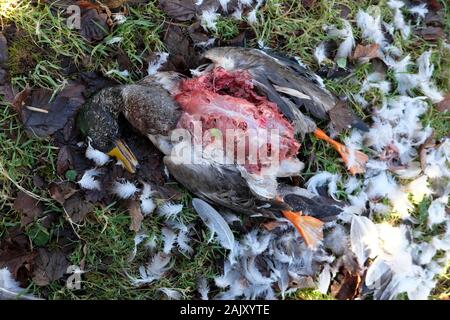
(354, 160)
(310, 228)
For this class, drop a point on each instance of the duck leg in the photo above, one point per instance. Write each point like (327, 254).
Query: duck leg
(309, 227)
(354, 160)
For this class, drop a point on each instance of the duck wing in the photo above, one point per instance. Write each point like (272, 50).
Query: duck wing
(283, 80)
(220, 184)
(277, 75)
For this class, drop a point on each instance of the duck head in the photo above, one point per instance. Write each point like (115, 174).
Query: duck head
(148, 107)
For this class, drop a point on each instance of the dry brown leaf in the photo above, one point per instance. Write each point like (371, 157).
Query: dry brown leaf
(365, 53)
(134, 208)
(77, 208)
(15, 253)
(431, 33)
(428, 143)
(29, 208)
(346, 285)
(444, 105)
(50, 266)
(62, 191)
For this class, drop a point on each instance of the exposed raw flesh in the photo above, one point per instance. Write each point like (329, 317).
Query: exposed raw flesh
(226, 100)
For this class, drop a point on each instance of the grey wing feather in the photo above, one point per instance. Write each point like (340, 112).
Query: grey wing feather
(277, 77)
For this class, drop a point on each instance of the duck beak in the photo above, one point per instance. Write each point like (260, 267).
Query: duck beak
(123, 153)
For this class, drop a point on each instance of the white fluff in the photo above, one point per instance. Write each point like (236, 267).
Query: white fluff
(95, 155)
(157, 267)
(351, 185)
(346, 47)
(147, 203)
(320, 53)
(251, 16)
(399, 21)
(9, 288)
(324, 280)
(88, 181)
(183, 243)
(203, 288)
(364, 239)
(237, 13)
(119, 18)
(321, 179)
(169, 238)
(153, 66)
(169, 210)
(425, 73)
(138, 239)
(419, 189)
(124, 189)
(436, 211)
(370, 27)
(171, 294)
(224, 5)
(419, 10)
(208, 19)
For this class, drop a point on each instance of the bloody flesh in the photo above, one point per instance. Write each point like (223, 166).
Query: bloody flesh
(226, 100)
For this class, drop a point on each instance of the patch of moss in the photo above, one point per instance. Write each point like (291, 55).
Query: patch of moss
(24, 55)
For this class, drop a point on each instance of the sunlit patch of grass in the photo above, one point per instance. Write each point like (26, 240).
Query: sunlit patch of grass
(309, 294)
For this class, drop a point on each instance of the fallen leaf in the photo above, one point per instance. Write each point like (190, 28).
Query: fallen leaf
(180, 10)
(19, 101)
(53, 114)
(365, 53)
(427, 144)
(185, 10)
(77, 208)
(94, 25)
(49, 266)
(444, 105)
(64, 160)
(346, 285)
(342, 118)
(29, 208)
(183, 56)
(62, 191)
(16, 255)
(134, 208)
(431, 33)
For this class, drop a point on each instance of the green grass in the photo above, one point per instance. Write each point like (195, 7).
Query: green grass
(105, 239)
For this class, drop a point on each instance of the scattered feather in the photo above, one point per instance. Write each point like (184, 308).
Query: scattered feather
(88, 181)
(169, 238)
(10, 289)
(153, 66)
(208, 19)
(147, 203)
(183, 243)
(436, 211)
(124, 189)
(169, 210)
(95, 155)
(158, 266)
(320, 53)
(364, 239)
(215, 223)
(171, 294)
(203, 288)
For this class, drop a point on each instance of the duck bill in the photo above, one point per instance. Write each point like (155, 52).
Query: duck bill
(123, 153)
